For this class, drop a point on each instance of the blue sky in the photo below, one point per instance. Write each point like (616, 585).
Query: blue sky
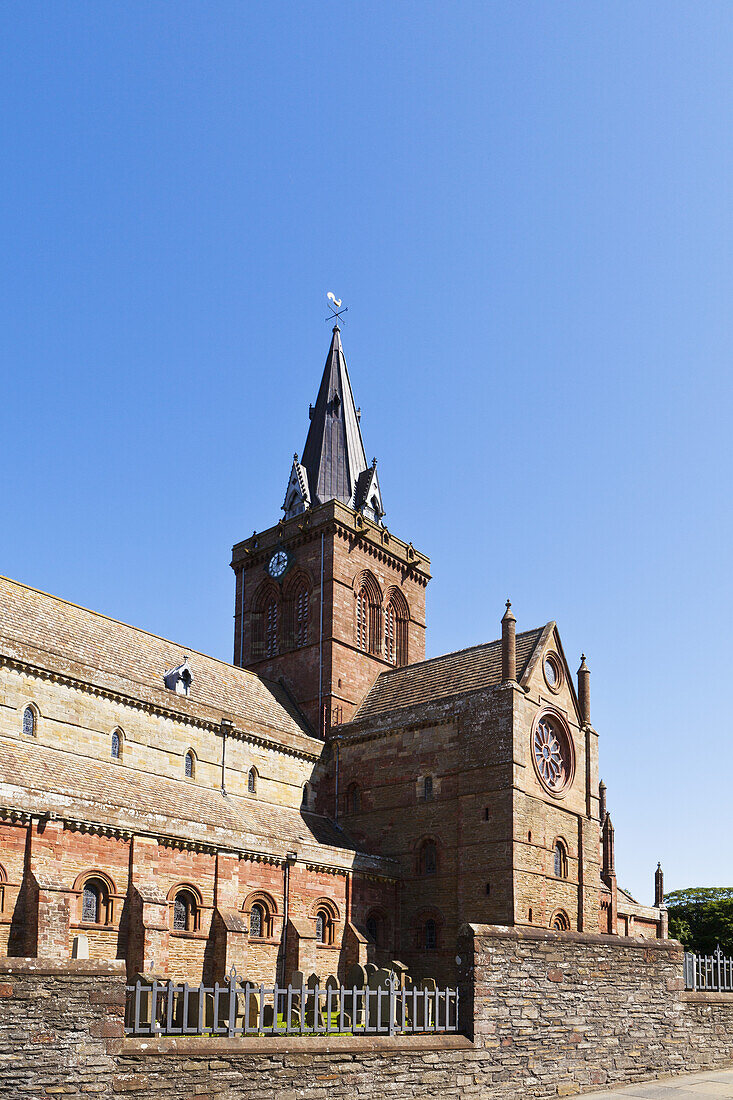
(526, 207)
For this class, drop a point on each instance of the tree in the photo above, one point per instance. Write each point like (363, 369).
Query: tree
(701, 917)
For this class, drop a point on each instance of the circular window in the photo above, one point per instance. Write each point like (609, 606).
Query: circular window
(553, 672)
(552, 753)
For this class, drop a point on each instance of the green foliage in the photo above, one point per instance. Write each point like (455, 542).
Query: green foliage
(701, 917)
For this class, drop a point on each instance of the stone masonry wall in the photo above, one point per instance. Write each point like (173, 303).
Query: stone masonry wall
(61, 1027)
(550, 1014)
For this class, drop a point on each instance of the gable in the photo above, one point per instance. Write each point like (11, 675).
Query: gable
(547, 672)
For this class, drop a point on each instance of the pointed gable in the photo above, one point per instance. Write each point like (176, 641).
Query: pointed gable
(297, 494)
(334, 461)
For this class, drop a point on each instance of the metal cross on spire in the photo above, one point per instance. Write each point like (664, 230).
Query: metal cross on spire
(334, 304)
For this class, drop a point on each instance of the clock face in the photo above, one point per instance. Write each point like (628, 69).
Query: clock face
(278, 564)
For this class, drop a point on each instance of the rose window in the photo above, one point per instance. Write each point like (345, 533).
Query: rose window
(552, 754)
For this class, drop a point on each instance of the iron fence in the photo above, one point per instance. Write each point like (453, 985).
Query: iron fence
(709, 973)
(242, 1008)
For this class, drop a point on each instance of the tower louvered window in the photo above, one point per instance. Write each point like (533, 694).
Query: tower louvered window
(271, 629)
(301, 618)
(390, 651)
(362, 621)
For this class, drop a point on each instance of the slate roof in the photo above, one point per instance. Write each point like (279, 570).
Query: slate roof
(453, 674)
(39, 778)
(72, 639)
(334, 456)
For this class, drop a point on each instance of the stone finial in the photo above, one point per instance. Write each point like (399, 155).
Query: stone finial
(508, 644)
(659, 887)
(584, 691)
(602, 801)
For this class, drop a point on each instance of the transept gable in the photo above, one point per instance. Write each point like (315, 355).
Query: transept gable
(547, 671)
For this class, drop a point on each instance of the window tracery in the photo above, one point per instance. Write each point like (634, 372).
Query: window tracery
(560, 859)
(29, 722)
(186, 911)
(95, 902)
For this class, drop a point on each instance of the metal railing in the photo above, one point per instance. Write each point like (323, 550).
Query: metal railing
(242, 1008)
(709, 973)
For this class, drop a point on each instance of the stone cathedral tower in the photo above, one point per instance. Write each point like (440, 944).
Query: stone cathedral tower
(328, 598)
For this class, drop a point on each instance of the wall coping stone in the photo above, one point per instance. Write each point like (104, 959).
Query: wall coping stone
(75, 968)
(204, 1046)
(698, 997)
(549, 935)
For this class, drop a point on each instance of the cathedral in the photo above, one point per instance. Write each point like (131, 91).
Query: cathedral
(329, 797)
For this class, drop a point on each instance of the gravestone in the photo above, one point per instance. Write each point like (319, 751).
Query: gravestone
(379, 985)
(356, 979)
(80, 947)
(426, 1003)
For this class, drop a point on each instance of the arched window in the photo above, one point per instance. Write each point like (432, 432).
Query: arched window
(260, 908)
(427, 788)
(362, 620)
(428, 858)
(560, 921)
(390, 631)
(252, 781)
(325, 914)
(266, 622)
(116, 746)
(186, 911)
(271, 629)
(353, 799)
(430, 934)
(561, 860)
(29, 722)
(95, 907)
(256, 921)
(324, 927)
(189, 764)
(396, 616)
(368, 613)
(304, 800)
(376, 926)
(298, 612)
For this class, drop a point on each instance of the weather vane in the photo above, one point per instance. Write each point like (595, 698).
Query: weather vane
(334, 304)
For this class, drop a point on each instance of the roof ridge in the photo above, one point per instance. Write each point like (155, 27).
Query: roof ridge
(456, 652)
(129, 626)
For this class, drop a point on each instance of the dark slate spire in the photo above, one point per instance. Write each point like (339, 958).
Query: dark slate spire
(334, 465)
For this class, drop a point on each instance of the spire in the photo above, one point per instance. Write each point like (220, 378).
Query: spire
(334, 465)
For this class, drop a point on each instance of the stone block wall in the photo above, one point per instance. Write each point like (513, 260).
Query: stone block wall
(550, 1014)
(61, 1027)
(564, 1012)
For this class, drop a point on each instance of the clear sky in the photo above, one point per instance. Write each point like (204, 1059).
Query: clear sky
(527, 208)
